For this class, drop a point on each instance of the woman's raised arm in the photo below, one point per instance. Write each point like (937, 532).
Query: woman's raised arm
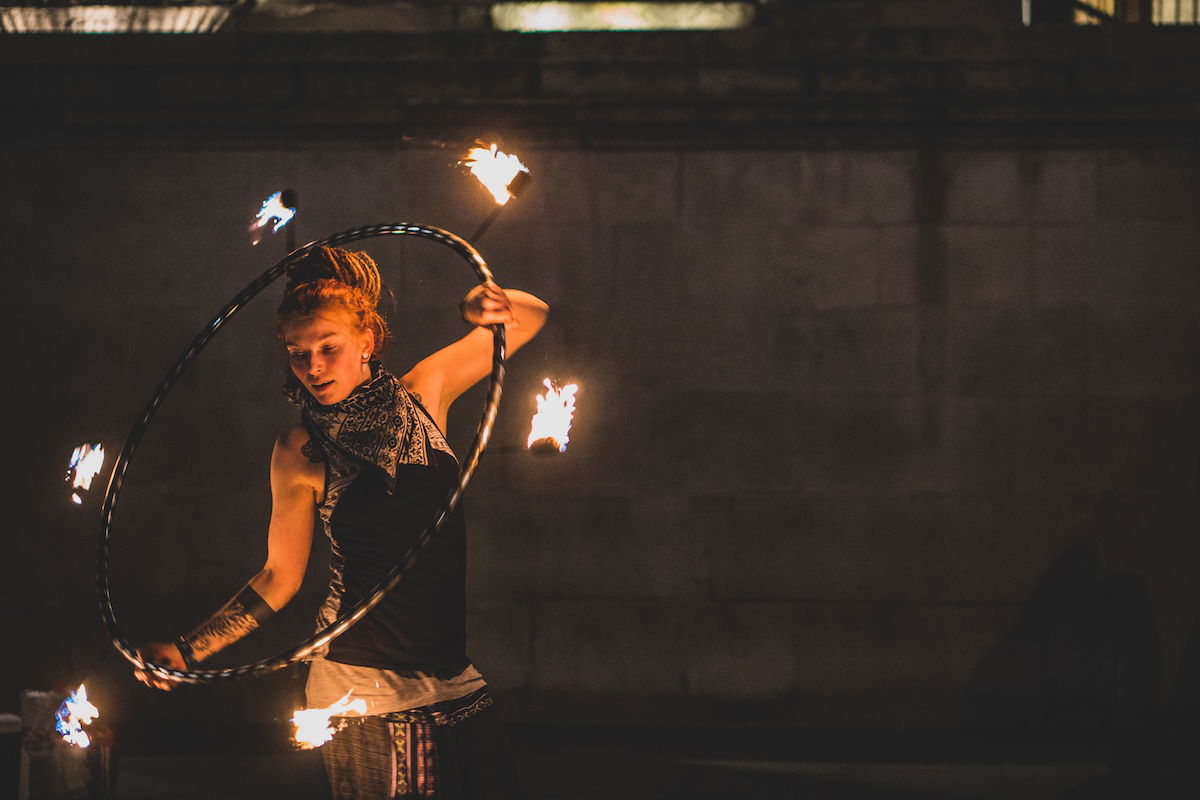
(440, 378)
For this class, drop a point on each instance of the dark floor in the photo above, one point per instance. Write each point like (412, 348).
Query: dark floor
(299, 776)
(590, 763)
(639, 765)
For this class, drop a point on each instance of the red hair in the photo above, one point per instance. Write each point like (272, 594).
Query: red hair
(331, 279)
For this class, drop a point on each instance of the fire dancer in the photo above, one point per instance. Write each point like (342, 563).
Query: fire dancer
(370, 457)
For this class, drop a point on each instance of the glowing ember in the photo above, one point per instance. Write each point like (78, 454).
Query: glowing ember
(75, 712)
(85, 464)
(552, 422)
(273, 210)
(495, 169)
(312, 724)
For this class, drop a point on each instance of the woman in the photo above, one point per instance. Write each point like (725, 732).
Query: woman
(369, 456)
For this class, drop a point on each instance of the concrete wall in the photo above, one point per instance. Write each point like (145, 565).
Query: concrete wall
(868, 437)
(840, 414)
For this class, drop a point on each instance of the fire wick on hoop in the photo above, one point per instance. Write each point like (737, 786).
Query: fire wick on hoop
(84, 465)
(502, 174)
(550, 426)
(277, 211)
(74, 714)
(313, 726)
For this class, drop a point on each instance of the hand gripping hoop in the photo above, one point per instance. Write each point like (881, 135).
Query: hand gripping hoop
(339, 626)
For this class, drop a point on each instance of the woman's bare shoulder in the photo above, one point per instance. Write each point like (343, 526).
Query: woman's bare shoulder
(296, 454)
(293, 440)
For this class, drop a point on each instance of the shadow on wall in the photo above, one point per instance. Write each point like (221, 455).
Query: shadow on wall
(1084, 663)
(1156, 757)
(1083, 659)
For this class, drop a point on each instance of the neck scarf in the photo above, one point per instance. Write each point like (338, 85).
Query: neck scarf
(379, 424)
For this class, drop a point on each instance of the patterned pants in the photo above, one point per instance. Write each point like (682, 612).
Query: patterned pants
(392, 756)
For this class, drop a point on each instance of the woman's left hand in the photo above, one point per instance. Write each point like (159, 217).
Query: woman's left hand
(160, 653)
(487, 304)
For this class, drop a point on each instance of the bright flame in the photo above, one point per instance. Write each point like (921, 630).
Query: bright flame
(552, 422)
(85, 464)
(312, 724)
(495, 169)
(272, 209)
(75, 712)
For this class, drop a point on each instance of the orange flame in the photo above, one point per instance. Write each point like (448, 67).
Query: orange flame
(312, 724)
(552, 422)
(85, 464)
(495, 169)
(75, 712)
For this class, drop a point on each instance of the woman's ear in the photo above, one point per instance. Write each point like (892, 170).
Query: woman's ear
(368, 344)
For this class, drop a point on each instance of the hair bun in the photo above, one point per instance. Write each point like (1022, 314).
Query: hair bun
(353, 268)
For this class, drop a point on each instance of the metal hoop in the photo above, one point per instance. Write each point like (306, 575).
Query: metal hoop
(483, 432)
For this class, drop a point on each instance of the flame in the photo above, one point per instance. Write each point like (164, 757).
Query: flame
(272, 209)
(495, 169)
(552, 422)
(312, 724)
(85, 464)
(75, 712)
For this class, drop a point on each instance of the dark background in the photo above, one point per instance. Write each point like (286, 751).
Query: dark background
(884, 317)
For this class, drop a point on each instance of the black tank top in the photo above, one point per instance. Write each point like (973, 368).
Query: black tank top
(420, 624)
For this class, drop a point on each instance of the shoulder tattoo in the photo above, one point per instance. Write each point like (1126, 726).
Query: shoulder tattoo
(311, 451)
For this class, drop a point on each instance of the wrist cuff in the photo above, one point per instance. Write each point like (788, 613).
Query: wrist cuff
(185, 650)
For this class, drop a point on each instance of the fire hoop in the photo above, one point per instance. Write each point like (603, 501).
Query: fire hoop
(339, 626)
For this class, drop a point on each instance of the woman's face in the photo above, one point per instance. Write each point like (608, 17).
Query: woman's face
(326, 354)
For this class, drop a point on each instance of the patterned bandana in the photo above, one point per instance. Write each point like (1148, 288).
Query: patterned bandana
(379, 423)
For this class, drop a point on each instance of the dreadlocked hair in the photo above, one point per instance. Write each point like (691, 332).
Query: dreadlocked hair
(332, 279)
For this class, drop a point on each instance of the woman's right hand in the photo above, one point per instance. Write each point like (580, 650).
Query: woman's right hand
(163, 653)
(487, 304)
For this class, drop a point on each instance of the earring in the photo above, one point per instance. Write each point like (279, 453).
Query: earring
(366, 356)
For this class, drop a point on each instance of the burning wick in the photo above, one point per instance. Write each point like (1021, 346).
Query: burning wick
(75, 712)
(552, 422)
(312, 724)
(280, 208)
(500, 173)
(85, 464)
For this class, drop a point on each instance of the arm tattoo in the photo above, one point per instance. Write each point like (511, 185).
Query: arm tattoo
(222, 629)
(241, 615)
